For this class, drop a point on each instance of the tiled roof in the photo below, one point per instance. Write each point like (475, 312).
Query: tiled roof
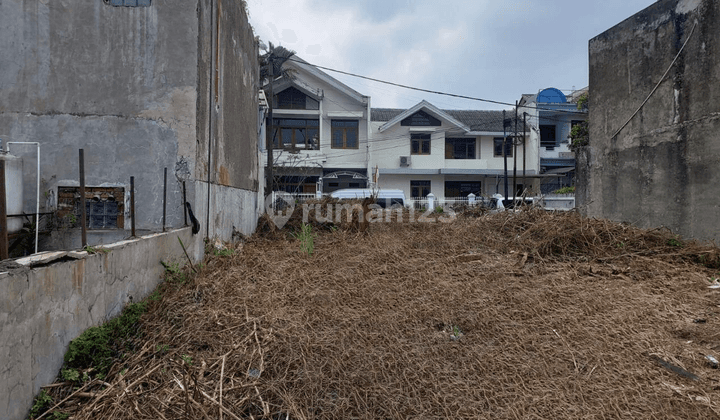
(476, 120)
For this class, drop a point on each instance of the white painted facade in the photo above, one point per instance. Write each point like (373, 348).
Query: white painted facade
(384, 157)
(391, 140)
(336, 101)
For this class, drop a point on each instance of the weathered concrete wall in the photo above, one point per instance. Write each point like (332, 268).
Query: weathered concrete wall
(227, 148)
(582, 175)
(137, 89)
(42, 309)
(119, 82)
(662, 169)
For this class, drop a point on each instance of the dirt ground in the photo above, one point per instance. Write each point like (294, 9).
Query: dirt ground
(527, 315)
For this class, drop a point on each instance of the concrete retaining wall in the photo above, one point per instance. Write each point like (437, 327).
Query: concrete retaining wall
(55, 296)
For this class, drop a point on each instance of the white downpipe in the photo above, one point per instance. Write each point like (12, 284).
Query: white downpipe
(37, 203)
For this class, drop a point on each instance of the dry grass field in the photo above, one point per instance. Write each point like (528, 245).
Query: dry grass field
(526, 315)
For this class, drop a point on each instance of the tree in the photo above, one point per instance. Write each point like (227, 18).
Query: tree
(580, 134)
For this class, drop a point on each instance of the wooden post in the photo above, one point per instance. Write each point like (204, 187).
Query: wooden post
(83, 213)
(132, 205)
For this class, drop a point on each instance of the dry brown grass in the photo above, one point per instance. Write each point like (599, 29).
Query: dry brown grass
(507, 316)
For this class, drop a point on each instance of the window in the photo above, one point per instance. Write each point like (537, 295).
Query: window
(103, 206)
(459, 148)
(420, 119)
(547, 136)
(344, 134)
(295, 133)
(129, 3)
(419, 144)
(292, 98)
(462, 188)
(498, 148)
(419, 189)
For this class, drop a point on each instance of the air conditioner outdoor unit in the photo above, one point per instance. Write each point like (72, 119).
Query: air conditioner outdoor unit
(405, 161)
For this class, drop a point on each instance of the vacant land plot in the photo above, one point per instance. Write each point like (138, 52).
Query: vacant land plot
(508, 316)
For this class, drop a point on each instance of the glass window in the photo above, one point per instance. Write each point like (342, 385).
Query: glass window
(295, 133)
(129, 3)
(292, 98)
(547, 136)
(421, 119)
(344, 134)
(419, 144)
(498, 147)
(460, 148)
(419, 189)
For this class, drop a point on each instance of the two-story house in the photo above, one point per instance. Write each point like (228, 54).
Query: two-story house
(450, 153)
(550, 115)
(327, 137)
(319, 132)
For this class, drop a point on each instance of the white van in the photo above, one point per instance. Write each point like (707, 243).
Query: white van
(384, 198)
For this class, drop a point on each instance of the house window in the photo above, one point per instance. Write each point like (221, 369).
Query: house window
(292, 98)
(462, 188)
(420, 144)
(104, 206)
(295, 133)
(344, 134)
(420, 119)
(547, 136)
(419, 189)
(459, 148)
(498, 147)
(129, 3)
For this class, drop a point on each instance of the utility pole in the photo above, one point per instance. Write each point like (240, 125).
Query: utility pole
(515, 137)
(505, 155)
(270, 134)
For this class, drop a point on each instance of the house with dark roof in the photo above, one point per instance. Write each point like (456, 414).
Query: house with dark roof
(326, 137)
(450, 153)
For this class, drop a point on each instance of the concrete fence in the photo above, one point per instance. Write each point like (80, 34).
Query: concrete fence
(51, 298)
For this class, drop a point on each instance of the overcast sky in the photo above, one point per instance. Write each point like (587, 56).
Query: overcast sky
(491, 49)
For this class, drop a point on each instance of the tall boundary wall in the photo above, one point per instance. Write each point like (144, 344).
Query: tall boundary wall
(661, 169)
(51, 298)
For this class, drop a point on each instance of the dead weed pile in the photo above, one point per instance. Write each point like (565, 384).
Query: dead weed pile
(507, 316)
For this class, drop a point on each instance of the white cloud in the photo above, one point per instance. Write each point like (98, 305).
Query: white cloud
(482, 48)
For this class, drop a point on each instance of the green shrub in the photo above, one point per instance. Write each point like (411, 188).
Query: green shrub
(306, 238)
(564, 190)
(41, 404)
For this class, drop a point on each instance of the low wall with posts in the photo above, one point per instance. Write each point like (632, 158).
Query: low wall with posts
(50, 298)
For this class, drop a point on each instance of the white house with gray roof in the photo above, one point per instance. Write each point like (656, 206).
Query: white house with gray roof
(450, 153)
(326, 137)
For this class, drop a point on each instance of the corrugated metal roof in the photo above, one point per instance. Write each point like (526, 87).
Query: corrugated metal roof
(477, 120)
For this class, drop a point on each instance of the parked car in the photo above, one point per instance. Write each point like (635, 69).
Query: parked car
(384, 198)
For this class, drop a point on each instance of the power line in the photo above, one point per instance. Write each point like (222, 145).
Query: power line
(435, 92)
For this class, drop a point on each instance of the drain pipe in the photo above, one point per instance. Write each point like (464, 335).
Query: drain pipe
(37, 203)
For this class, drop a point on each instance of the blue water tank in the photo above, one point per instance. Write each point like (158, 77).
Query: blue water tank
(551, 96)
